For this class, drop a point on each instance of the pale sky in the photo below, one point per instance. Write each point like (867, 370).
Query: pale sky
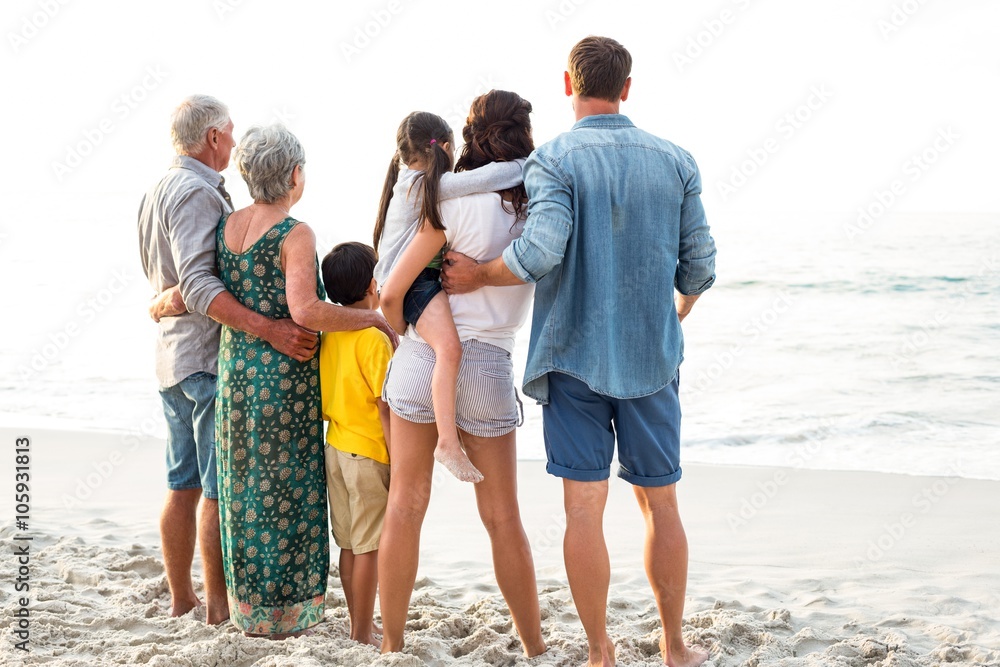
(786, 105)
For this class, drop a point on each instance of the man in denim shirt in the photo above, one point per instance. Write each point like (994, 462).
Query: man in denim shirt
(615, 225)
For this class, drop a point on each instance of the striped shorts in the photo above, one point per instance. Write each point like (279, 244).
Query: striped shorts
(487, 403)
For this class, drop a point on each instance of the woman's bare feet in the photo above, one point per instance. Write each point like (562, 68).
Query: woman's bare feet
(684, 656)
(450, 454)
(535, 649)
(602, 658)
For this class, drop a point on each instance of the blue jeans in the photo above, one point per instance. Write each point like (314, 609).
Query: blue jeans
(424, 288)
(189, 407)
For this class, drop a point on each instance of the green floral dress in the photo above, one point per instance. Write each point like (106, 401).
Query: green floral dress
(269, 440)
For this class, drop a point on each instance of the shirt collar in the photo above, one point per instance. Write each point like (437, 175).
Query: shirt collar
(604, 120)
(198, 167)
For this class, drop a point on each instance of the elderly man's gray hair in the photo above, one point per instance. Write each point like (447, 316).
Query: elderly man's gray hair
(266, 157)
(192, 119)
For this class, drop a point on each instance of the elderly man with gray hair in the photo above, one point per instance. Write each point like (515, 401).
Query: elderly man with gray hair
(178, 220)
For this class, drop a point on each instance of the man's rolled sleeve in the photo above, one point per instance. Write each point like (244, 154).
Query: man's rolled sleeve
(542, 245)
(192, 234)
(696, 252)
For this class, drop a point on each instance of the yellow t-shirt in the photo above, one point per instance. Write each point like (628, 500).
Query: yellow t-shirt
(352, 367)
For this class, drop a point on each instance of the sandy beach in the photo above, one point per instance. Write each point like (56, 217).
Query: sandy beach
(788, 567)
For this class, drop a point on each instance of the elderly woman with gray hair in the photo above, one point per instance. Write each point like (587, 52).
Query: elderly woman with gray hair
(272, 491)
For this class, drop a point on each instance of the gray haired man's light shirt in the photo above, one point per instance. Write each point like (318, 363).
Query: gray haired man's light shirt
(178, 220)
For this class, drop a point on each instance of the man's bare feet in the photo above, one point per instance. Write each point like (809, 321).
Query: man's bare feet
(218, 608)
(370, 640)
(450, 454)
(685, 656)
(218, 619)
(181, 606)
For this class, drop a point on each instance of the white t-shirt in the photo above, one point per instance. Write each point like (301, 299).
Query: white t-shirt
(478, 226)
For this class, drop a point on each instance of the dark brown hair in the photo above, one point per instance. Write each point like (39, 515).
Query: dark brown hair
(598, 67)
(420, 135)
(347, 272)
(498, 129)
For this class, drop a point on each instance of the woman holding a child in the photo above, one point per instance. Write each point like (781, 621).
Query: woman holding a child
(487, 409)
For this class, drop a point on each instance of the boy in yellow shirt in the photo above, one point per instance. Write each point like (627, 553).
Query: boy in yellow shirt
(352, 370)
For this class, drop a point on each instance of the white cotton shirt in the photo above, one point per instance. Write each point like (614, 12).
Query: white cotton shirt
(478, 226)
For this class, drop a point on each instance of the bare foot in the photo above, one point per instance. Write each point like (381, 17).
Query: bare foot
(218, 619)
(534, 650)
(370, 640)
(218, 609)
(605, 658)
(179, 607)
(453, 457)
(684, 656)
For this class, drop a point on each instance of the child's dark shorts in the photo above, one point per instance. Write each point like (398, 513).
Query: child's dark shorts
(424, 288)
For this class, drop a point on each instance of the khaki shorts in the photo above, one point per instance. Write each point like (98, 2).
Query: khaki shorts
(358, 489)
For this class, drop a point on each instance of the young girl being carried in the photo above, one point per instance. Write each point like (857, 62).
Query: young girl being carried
(411, 294)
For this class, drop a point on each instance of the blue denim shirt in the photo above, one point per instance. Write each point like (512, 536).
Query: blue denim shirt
(615, 224)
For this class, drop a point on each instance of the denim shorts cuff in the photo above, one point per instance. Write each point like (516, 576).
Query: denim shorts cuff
(577, 475)
(638, 480)
(183, 487)
(208, 495)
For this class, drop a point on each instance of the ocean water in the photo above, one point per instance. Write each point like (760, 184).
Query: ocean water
(824, 344)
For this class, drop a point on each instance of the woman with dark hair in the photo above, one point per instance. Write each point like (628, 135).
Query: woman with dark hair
(487, 409)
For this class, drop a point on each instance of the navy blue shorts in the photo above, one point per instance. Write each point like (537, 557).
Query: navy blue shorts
(581, 427)
(424, 288)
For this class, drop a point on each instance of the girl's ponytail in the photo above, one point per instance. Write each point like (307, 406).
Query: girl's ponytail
(439, 163)
(391, 177)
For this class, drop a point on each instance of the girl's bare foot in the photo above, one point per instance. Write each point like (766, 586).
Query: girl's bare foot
(451, 455)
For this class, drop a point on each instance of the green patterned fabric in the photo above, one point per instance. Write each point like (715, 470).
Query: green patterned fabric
(269, 440)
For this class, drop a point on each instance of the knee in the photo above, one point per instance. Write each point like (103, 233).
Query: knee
(501, 521)
(183, 500)
(581, 513)
(408, 508)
